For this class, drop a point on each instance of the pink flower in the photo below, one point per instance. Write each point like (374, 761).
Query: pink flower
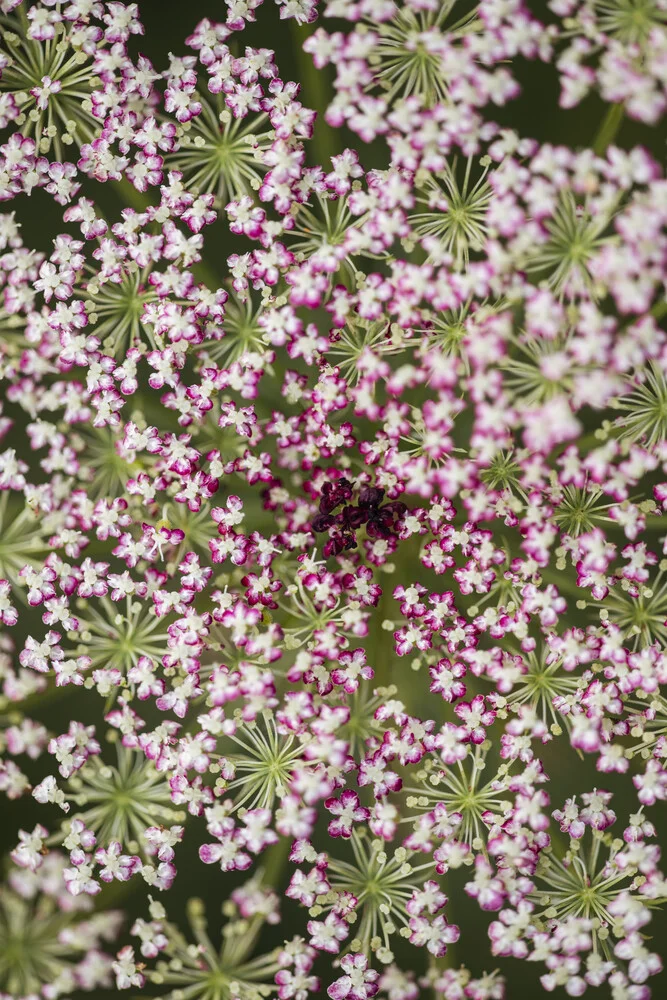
(347, 811)
(358, 983)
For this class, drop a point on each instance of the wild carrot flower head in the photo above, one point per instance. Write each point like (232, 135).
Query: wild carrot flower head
(333, 486)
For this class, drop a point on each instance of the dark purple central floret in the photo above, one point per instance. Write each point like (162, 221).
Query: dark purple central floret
(380, 521)
(334, 494)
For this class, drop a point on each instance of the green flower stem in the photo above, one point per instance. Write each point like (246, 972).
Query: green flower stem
(659, 309)
(325, 141)
(608, 129)
(562, 582)
(275, 860)
(130, 196)
(381, 651)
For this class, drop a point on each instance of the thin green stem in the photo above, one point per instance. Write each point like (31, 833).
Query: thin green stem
(608, 129)
(325, 142)
(381, 651)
